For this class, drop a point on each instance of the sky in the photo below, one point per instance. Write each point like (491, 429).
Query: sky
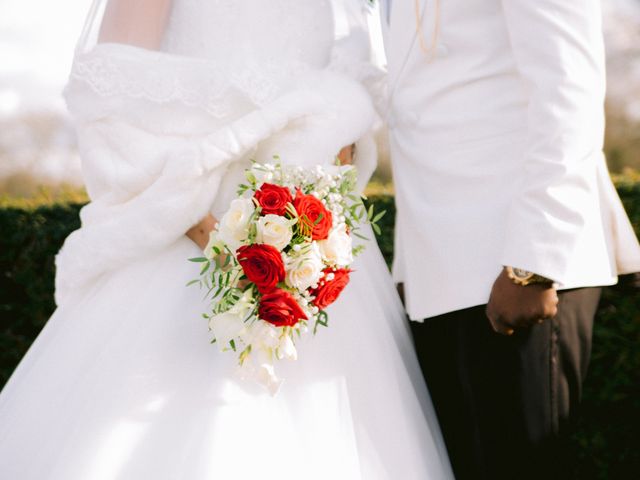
(37, 38)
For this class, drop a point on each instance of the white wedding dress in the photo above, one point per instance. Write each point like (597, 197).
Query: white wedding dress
(123, 383)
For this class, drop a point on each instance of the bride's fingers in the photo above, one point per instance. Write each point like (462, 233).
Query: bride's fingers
(199, 233)
(346, 154)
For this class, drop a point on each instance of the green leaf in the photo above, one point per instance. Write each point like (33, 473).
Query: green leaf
(370, 212)
(199, 259)
(205, 267)
(192, 282)
(218, 291)
(359, 235)
(379, 216)
(321, 319)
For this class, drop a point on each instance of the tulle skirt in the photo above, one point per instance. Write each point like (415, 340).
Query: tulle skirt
(123, 384)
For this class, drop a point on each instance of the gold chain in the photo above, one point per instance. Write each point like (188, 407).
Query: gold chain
(428, 49)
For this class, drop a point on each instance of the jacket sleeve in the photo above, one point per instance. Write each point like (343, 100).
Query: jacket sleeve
(558, 48)
(352, 55)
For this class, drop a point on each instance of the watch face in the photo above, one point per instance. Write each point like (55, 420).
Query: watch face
(521, 274)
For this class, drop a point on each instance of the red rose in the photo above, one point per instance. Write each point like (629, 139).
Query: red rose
(262, 264)
(279, 308)
(273, 199)
(328, 291)
(315, 220)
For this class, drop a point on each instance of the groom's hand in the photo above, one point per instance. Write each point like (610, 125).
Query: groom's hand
(513, 306)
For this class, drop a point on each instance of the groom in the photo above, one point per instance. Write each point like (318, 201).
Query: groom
(507, 220)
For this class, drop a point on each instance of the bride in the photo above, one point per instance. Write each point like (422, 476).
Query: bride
(171, 100)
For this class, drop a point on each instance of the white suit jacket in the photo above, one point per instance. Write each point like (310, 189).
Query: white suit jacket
(496, 144)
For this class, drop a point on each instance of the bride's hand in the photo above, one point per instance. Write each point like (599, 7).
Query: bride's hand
(347, 154)
(200, 233)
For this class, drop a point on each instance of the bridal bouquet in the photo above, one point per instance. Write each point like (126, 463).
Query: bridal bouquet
(278, 258)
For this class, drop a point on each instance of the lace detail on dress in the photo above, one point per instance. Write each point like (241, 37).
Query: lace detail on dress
(223, 57)
(116, 70)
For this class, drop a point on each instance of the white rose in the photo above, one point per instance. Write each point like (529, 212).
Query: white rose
(230, 324)
(287, 349)
(244, 304)
(262, 336)
(214, 241)
(262, 173)
(304, 269)
(274, 230)
(225, 327)
(260, 369)
(263, 177)
(234, 224)
(337, 248)
(266, 376)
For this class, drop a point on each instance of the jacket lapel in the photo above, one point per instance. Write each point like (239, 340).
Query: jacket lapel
(402, 34)
(384, 25)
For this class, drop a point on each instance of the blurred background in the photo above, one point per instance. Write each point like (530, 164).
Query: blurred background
(37, 39)
(37, 144)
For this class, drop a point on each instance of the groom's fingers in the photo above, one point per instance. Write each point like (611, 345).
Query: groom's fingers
(503, 329)
(495, 319)
(499, 326)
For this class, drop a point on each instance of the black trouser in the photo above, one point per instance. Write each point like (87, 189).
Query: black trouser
(505, 403)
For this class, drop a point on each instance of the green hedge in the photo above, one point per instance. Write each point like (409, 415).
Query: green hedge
(29, 240)
(608, 433)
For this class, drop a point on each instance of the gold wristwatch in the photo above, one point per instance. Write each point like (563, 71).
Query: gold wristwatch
(524, 277)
